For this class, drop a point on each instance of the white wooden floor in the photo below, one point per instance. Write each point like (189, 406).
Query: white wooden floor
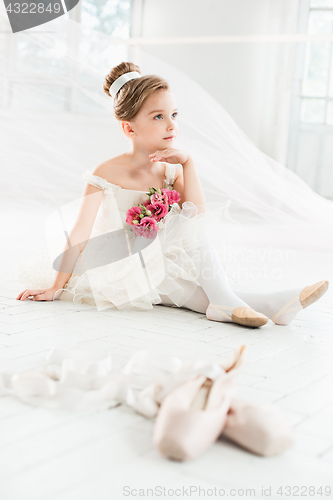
(73, 456)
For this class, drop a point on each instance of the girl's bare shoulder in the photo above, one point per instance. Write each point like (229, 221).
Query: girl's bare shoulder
(111, 169)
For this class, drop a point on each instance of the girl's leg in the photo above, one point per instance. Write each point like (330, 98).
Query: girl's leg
(198, 302)
(213, 279)
(214, 283)
(214, 288)
(267, 303)
(282, 306)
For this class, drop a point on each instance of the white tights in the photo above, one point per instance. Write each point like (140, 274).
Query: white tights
(214, 288)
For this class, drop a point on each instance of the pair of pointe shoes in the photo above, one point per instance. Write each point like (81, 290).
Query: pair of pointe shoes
(194, 415)
(249, 317)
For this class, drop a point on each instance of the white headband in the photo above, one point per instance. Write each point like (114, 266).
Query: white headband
(116, 86)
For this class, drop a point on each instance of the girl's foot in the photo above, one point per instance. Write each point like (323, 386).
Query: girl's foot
(307, 296)
(245, 316)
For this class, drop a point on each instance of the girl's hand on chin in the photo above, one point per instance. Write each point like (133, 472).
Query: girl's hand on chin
(170, 155)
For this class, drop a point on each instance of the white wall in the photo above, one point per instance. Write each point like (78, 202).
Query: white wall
(243, 77)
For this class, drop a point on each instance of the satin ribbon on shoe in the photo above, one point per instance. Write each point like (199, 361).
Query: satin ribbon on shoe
(75, 380)
(153, 376)
(81, 380)
(287, 309)
(192, 415)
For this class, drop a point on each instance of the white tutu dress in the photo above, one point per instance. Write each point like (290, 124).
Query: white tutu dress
(142, 268)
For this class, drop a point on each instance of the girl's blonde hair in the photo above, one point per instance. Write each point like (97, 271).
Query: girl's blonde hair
(130, 98)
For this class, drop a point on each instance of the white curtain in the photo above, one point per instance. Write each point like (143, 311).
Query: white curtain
(56, 122)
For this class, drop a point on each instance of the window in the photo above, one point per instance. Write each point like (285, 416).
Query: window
(107, 16)
(37, 76)
(310, 144)
(317, 84)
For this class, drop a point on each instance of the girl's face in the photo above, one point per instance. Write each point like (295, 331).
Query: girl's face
(155, 122)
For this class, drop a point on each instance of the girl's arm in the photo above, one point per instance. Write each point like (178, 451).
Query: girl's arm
(188, 184)
(79, 235)
(81, 230)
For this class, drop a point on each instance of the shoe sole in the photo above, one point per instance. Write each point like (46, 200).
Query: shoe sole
(247, 321)
(313, 293)
(244, 321)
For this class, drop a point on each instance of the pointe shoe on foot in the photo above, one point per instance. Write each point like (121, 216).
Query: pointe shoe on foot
(245, 316)
(192, 417)
(259, 428)
(308, 296)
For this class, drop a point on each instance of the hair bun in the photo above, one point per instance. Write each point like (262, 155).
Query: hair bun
(116, 72)
(131, 97)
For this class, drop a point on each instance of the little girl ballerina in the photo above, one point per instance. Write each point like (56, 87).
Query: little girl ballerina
(147, 112)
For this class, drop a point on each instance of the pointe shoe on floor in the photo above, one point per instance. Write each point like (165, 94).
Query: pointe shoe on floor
(308, 296)
(192, 416)
(259, 428)
(245, 316)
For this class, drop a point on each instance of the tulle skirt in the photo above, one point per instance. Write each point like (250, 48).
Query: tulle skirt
(167, 265)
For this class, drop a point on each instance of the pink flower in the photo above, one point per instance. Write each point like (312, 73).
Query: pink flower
(146, 203)
(133, 214)
(172, 195)
(158, 210)
(144, 218)
(147, 227)
(162, 198)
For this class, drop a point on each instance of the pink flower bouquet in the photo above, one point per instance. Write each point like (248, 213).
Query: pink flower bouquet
(145, 218)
